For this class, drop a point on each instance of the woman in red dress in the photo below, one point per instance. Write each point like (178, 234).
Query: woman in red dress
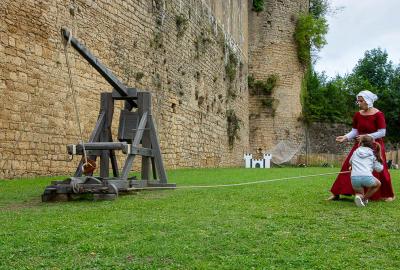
(369, 121)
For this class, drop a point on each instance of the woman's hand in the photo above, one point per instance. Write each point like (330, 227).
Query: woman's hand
(341, 139)
(359, 137)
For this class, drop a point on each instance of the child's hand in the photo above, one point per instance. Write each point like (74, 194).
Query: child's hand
(350, 168)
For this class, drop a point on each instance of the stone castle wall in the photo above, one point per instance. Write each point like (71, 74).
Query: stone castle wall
(272, 51)
(322, 138)
(177, 50)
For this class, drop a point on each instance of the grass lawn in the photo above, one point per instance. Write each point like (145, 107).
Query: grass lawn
(274, 225)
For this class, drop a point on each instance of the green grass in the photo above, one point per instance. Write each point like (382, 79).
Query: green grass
(275, 225)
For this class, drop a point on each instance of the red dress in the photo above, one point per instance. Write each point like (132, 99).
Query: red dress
(366, 124)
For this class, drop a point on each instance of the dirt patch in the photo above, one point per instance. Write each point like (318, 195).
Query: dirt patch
(35, 202)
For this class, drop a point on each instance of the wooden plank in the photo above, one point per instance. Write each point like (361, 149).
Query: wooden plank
(142, 151)
(107, 103)
(98, 146)
(94, 62)
(114, 163)
(144, 105)
(136, 141)
(157, 152)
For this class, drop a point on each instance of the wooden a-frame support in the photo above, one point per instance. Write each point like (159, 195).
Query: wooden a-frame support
(144, 134)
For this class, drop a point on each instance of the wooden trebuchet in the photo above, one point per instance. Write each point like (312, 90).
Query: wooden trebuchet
(136, 136)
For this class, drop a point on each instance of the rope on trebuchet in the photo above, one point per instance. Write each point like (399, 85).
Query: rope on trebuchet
(239, 184)
(89, 165)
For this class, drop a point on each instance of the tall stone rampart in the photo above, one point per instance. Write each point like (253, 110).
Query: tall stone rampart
(177, 50)
(272, 51)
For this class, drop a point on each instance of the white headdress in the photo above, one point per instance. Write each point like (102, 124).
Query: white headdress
(369, 97)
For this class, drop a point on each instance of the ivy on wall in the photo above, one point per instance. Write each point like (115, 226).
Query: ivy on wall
(181, 25)
(201, 44)
(264, 89)
(258, 5)
(309, 35)
(231, 66)
(233, 127)
(311, 29)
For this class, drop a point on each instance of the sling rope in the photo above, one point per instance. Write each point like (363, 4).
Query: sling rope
(71, 86)
(239, 184)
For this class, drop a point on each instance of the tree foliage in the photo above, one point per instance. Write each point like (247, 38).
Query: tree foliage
(333, 100)
(326, 101)
(311, 29)
(383, 78)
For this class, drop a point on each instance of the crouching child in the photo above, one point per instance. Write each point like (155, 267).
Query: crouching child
(365, 159)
